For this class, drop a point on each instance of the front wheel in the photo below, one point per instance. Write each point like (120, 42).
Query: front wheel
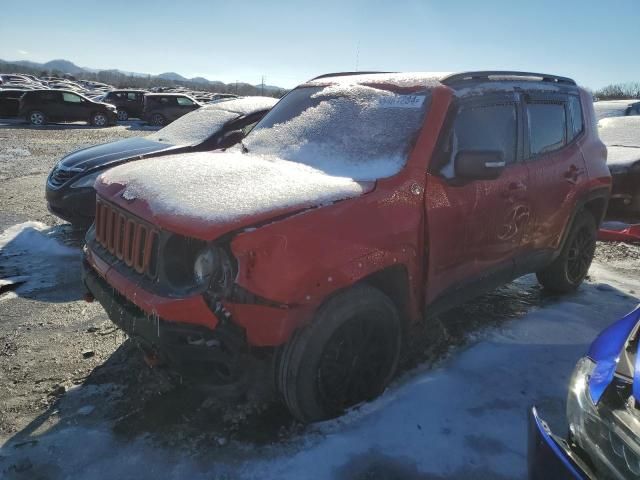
(346, 356)
(99, 120)
(568, 271)
(157, 119)
(123, 115)
(37, 118)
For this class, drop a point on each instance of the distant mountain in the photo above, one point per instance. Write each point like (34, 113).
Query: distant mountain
(115, 75)
(176, 77)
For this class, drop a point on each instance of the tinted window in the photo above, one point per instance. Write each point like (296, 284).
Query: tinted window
(49, 96)
(184, 101)
(132, 96)
(483, 127)
(547, 124)
(575, 113)
(71, 98)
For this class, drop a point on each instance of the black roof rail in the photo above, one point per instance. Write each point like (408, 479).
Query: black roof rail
(484, 75)
(344, 74)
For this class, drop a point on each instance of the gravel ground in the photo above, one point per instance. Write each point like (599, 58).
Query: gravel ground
(51, 340)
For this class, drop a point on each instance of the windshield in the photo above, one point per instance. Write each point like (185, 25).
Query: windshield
(194, 127)
(353, 131)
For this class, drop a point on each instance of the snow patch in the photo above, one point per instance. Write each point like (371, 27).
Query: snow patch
(223, 187)
(402, 79)
(32, 237)
(612, 108)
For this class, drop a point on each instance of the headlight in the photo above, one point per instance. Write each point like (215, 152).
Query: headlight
(86, 181)
(213, 268)
(579, 403)
(204, 266)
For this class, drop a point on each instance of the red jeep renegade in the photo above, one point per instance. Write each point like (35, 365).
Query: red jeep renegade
(358, 205)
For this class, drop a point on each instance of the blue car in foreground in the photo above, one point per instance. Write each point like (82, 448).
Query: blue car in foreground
(603, 412)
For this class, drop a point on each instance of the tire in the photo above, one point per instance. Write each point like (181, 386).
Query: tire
(99, 119)
(37, 118)
(123, 115)
(568, 271)
(347, 355)
(157, 119)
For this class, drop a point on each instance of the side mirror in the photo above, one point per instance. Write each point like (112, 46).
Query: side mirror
(479, 164)
(231, 138)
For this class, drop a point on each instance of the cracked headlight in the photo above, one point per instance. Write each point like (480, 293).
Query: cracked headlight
(204, 266)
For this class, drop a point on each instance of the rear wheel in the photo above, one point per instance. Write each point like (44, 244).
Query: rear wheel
(37, 118)
(569, 270)
(157, 119)
(123, 115)
(99, 119)
(346, 356)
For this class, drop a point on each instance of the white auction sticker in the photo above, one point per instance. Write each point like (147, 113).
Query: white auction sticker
(401, 101)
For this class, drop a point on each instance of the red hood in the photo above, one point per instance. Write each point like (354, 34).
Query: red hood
(207, 195)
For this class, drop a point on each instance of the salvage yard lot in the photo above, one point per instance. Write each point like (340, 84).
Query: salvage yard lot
(77, 399)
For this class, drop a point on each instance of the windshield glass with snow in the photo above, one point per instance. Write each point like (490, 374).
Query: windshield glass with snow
(194, 127)
(354, 131)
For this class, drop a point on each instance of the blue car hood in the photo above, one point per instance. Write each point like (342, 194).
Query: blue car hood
(110, 153)
(605, 351)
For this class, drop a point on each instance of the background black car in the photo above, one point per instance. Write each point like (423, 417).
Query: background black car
(69, 190)
(163, 108)
(42, 106)
(128, 102)
(10, 102)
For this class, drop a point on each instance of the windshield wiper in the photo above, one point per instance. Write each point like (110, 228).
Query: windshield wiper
(244, 147)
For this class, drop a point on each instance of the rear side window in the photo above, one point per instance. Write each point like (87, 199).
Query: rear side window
(71, 98)
(132, 96)
(575, 116)
(49, 96)
(483, 127)
(184, 101)
(547, 124)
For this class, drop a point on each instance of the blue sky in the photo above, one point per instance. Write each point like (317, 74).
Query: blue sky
(595, 42)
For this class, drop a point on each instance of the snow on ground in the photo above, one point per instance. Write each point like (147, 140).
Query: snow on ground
(463, 419)
(32, 258)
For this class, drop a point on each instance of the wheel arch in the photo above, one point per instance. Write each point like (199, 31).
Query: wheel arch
(393, 281)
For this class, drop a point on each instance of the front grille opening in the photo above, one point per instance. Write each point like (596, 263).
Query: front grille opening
(127, 238)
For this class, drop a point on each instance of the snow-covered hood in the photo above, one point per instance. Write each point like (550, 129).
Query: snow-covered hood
(621, 159)
(205, 194)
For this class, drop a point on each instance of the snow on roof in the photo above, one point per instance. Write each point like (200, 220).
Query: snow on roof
(622, 131)
(622, 155)
(507, 84)
(244, 106)
(612, 108)
(402, 79)
(223, 187)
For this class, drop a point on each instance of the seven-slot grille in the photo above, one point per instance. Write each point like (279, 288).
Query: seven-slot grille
(60, 176)
(127, 238)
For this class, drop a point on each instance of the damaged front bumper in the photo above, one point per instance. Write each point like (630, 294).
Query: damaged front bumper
(551, 458)
(195, 351)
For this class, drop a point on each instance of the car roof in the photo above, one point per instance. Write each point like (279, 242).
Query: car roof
(171, 94)
(463, 82)
(245, 105)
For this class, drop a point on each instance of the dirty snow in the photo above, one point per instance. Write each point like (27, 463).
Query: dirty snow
(612, 108)
(31, 258)
(464, 419)
(222, 187)
(345, 129)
